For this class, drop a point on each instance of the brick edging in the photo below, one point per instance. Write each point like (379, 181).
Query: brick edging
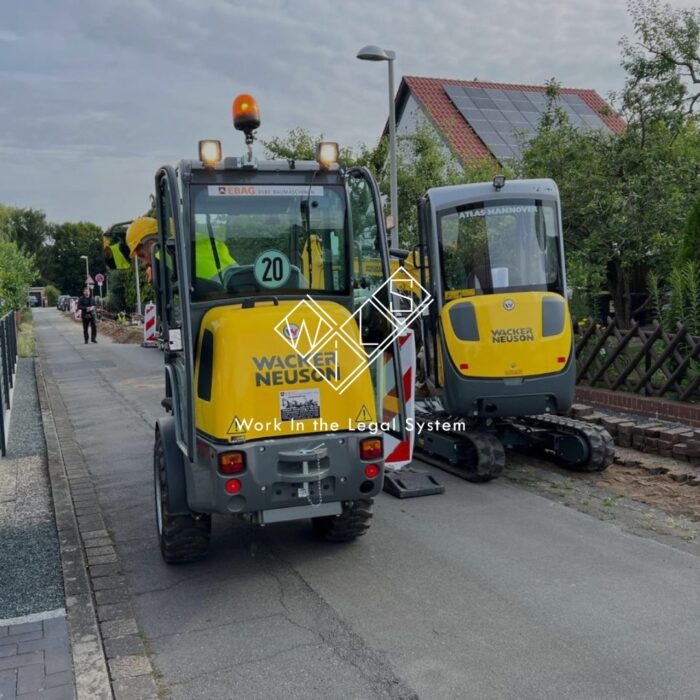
(651, 406)
(109, 656)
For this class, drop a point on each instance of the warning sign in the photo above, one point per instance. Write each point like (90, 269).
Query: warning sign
(364, 416)
(237, 427)
(300, 405)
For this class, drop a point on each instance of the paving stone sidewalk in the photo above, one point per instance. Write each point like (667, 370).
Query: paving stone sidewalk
(35, 660)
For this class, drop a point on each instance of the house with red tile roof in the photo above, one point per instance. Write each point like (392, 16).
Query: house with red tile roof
(477, 120)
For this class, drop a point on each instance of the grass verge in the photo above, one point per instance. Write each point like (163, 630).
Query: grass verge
(26, 343)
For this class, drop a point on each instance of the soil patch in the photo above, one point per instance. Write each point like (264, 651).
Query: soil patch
(119, 333)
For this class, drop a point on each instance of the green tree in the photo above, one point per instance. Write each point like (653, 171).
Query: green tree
(28, 228)
(423, 161)
(689, 248)
(60, 259)
(17, 272)
(624, 198)
(662, 62)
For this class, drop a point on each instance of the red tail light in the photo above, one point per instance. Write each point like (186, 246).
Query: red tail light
(231, 462)
(233, 486)
(372, 471)
(371, 448)
(561, 360)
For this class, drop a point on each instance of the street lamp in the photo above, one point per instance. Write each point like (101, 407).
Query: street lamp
(87, 270)
(375, 53)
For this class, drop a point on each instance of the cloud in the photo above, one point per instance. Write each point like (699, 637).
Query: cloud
(97, 95)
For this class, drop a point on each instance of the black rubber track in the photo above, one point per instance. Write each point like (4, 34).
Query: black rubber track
(601, 447)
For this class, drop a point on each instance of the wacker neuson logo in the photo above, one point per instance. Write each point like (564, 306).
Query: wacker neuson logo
(318, 341)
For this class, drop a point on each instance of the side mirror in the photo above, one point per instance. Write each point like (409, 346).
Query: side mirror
(417, 256)
(399, 253)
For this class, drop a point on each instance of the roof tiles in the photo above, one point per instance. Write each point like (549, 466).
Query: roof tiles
(430, 94)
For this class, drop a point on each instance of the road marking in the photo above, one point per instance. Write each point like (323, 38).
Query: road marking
(34, 617)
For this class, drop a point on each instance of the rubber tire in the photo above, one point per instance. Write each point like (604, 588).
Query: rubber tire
(183, 538)
(352, 523)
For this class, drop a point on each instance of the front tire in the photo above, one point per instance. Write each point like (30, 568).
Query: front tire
(352, 523)
(182, 538)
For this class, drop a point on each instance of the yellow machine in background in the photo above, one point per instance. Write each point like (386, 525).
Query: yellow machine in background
(497, 344)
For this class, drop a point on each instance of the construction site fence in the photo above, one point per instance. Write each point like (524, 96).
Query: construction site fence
(8, 361)
(648, 361)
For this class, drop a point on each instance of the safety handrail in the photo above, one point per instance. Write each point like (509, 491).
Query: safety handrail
(8, 364)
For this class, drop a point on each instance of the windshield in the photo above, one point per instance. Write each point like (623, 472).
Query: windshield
(268, 239)
(499, 246)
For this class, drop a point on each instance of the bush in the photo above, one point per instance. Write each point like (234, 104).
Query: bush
(52, 295)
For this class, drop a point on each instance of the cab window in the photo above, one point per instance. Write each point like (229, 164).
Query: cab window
(500, 246)
(268, 239)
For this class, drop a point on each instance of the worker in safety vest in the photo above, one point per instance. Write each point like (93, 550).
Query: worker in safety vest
(211, 255)
(114, 255)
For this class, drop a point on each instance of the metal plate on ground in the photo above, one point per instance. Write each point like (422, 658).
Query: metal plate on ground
(411, 483)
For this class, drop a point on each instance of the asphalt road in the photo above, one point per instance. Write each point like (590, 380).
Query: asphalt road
(487, 591)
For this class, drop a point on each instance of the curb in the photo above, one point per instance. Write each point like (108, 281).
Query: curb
(109, 656)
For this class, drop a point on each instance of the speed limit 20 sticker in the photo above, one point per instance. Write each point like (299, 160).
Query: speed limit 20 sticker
(272, 269)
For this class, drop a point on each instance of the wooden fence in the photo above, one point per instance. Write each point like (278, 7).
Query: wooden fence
(649, 361)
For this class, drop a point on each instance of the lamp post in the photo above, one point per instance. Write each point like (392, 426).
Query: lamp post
(87, 270)
(375, 53)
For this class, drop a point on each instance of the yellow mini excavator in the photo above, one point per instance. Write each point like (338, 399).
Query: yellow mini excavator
(497, 347)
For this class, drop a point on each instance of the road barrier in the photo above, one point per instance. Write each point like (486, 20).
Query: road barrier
(149, 326)
(8, 363)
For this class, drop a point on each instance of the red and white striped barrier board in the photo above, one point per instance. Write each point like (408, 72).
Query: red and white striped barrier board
(399, 453)
(149, 326)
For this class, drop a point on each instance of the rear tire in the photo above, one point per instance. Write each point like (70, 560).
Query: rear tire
(352, 523)
(183, 538)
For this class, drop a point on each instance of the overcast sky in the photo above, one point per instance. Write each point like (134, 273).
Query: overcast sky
(96, 94)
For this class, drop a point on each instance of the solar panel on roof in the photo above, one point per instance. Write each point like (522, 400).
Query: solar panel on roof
(503, 118)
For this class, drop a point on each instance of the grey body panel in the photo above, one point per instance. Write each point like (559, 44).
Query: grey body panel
(274, 473)
(463, 320)
(514, 396)
(553, 315)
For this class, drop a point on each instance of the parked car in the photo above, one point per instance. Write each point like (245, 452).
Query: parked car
(33, 300)
(62, 303)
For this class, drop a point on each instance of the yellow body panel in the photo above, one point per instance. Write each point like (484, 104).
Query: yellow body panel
(511, 343)
(259, 380)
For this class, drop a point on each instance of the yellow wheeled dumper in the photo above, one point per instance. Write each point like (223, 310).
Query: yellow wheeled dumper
(273, 396)
(497, 345)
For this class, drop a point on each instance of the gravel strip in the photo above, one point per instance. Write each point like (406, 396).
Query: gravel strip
(30, 575)
(26, 436)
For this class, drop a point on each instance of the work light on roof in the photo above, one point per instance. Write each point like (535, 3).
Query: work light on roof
(326, 153)
(210, 152)
(246, 115)
(499, 181)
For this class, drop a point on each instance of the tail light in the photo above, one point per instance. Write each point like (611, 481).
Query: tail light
(232, 486)
(231, 462)
(372, 471)
(371, 448)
